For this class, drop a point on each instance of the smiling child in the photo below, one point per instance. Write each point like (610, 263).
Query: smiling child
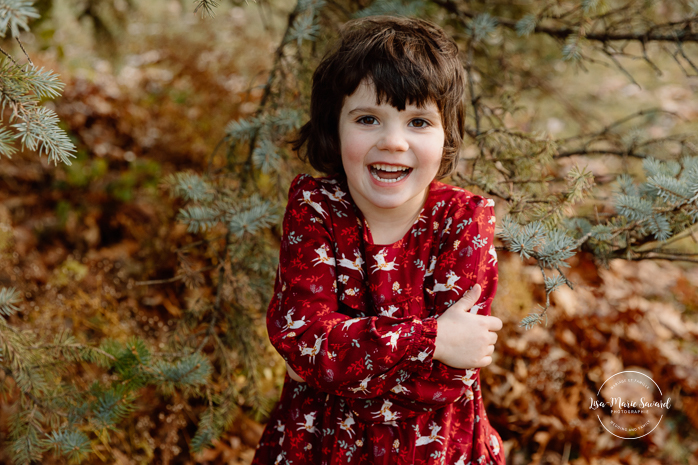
(386, 275)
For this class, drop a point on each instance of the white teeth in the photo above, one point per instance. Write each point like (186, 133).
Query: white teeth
(390, 168)
(402, 176)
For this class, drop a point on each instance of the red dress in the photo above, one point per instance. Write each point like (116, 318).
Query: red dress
(356, 320)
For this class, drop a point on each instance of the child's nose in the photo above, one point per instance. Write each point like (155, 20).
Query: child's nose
(393, 140)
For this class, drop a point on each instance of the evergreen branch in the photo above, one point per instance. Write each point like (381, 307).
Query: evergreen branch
(174, 278)
(201, 242)
(8, 298)
(608, 128)
(191, 371)
(622, 153)
(392, 7)
(14, 15)
(189, 186)
(278, 55)
(206, 7)
(112, 406)
(35, 400)
(44, 84)
(25, 435)
(7, 139)
(23, 50)
(75, 445)
(74, 346)
(251, 216)
(219, 295)
(304, 28)
(533, 319)
(652, 34)
(265, 158)
(657, 246)
(661, 256)
(199, 218)
(40, 132)
(583, 239)
(9, 56)
(474, 101)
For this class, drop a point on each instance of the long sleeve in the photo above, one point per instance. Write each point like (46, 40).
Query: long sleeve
(466, 257)
(360, 357)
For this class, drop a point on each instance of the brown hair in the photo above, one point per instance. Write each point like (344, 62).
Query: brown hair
(409, 60)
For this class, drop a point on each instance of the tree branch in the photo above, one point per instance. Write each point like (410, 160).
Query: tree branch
(650, 35)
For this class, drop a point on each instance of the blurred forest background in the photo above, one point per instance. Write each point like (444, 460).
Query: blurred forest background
(142, 270)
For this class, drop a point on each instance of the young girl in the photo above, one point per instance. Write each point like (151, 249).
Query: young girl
(386, 275)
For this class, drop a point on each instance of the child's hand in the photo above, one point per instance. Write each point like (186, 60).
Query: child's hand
(294, 376)
(464, 339)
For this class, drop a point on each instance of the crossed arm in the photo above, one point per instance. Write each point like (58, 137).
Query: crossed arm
(356, 358)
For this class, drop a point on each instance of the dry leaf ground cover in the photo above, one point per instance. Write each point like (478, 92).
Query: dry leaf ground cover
(76, 240)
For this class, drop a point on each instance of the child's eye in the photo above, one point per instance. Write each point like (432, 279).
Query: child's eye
(420, 123)
(367, 120)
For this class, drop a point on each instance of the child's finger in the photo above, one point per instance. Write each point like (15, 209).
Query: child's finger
(470, 298)
(493, 337)
(493, 323)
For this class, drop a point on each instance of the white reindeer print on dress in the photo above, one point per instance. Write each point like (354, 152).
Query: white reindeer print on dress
(309, 424)
(322, 256)
(393, 335)
(476, 308)
(390, 311)
(461, 460)
(280, 428)
(467, 378)
(363, 385)
(433, 436)
(336, 196)
(312, 351)
(400, 389)
(346, 424)
(449, 285)
(432, 266)
(348, 323)
(468, 396)
(291, 323)
(386, 413)
(493, 255)
(355, 265)
(494, 442)
(381, 263)
(447, 226)
(420, 356)
(307, 200)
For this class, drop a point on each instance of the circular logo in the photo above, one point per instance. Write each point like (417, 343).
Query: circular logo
(630, 405)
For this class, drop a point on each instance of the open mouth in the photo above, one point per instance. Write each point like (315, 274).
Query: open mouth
(389, 173)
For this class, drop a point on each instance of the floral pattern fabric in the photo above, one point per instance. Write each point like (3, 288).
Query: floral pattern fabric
(357, 321)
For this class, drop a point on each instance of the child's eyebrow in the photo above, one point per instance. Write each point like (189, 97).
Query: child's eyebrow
(418, 112)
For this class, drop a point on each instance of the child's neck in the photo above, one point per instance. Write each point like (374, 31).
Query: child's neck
(387, 228)
(386, 232)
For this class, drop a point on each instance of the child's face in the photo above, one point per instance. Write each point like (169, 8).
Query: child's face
(379, 136)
